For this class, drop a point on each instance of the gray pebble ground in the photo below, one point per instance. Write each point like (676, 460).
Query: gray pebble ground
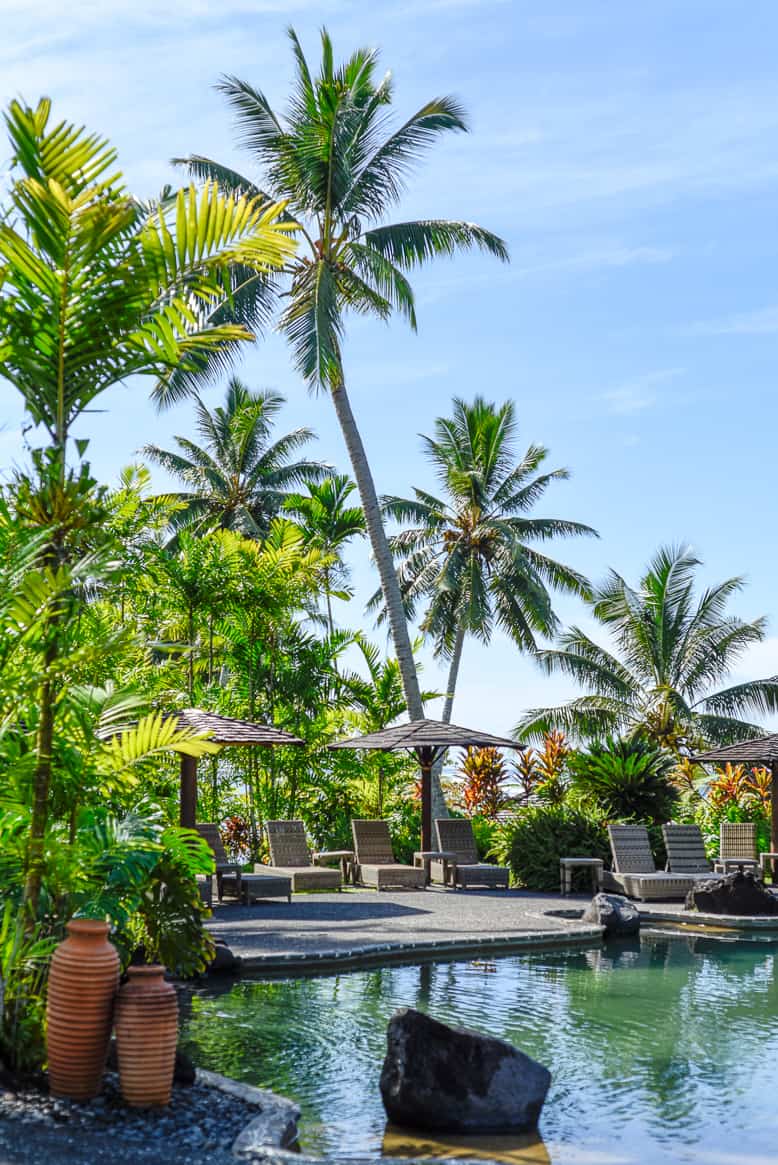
(197, 1127)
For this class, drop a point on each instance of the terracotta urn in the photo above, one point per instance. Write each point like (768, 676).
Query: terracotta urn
(146, 1036)
(83, 980)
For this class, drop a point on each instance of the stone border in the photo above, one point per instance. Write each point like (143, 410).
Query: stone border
(379, 954)
(275, 1126)
(726, 922)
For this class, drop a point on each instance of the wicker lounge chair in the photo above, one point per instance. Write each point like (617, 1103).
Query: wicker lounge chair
(737, 846)
(455, 836)
(209, 831)
(634, 871)
(686, 850)
(289, 854)
(374, 863)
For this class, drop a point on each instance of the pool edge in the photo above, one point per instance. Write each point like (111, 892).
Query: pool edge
(380, 954)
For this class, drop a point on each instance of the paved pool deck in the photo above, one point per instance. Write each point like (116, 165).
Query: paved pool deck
(355, 927)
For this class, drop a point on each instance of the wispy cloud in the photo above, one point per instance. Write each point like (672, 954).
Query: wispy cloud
(762, 322)
(581, 260)
(639, 394)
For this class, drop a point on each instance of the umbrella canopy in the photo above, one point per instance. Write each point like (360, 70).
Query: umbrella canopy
(763, 751)
(221, 730)
(428, 739)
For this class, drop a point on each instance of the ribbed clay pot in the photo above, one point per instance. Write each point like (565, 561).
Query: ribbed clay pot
(146, 1036)
(83, 980)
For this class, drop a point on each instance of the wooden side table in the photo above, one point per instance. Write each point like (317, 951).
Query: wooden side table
(344, 856)
(423, 857)
(566, 867)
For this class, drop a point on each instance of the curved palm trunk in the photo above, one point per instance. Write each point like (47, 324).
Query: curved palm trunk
(383, 557)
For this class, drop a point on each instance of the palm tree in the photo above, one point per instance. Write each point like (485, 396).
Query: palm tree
(470, 554)
(670, 651)
(238, 478)
(96, 287)
(340, 171)
(327, 523)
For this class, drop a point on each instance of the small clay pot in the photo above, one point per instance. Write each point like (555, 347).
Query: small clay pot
(146, 1036)
(83, 980)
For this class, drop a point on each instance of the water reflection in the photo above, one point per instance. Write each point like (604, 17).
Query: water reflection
(508, 1150)
(657, 1049)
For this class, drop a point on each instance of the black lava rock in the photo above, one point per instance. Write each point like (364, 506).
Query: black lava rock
(458, 1081)
(617, 914)
(223, 962)
(738, 893)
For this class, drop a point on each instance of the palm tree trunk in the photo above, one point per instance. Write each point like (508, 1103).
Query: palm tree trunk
(453, 673)
(390, 585)
(40, 800)
(451, 684)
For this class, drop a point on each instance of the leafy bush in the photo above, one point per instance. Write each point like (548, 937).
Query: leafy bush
(405, 827)
(533, 843)
(485, 832)
(24, 961)
(625, 779)
(144, 877)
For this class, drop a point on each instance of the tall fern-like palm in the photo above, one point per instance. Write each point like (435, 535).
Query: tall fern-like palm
(472, 556)
(95, 287)
(327, 523)
(238, 478)
(670, 651)
(341, 167)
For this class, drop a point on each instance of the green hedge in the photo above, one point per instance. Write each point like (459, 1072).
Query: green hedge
(532, 845)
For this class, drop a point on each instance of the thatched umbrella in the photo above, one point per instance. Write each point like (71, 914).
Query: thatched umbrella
(428, 740)
(220, 730)
(761, 752)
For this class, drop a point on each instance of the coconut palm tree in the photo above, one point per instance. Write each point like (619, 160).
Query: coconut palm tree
(472, 556)
(670, 651)
(327, 523)
(238, 478)
(94, 288)
(341, 169)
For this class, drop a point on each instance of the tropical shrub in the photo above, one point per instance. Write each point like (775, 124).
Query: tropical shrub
(532, 844)
(541, 772)
(735, 793)
(484, 775)
(627, 779)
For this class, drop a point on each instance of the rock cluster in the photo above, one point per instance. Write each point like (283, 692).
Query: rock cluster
(449, 1079)
(741, 893)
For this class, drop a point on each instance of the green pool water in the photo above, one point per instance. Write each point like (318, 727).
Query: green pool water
(664, 1051)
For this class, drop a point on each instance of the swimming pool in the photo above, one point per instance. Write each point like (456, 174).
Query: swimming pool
(662, 1051)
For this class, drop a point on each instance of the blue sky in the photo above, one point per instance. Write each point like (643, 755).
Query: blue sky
(628, 154)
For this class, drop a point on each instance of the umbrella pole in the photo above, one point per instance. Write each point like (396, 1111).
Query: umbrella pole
(774, 814)
(188, 810)
(426, 761)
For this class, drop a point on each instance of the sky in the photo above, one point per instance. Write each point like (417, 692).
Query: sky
(628, 154)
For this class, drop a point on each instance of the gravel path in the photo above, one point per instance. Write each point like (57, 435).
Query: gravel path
(337, 923)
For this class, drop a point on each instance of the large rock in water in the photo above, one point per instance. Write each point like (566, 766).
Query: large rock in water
(619, 916)
(738, 893)
(458, 1081)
